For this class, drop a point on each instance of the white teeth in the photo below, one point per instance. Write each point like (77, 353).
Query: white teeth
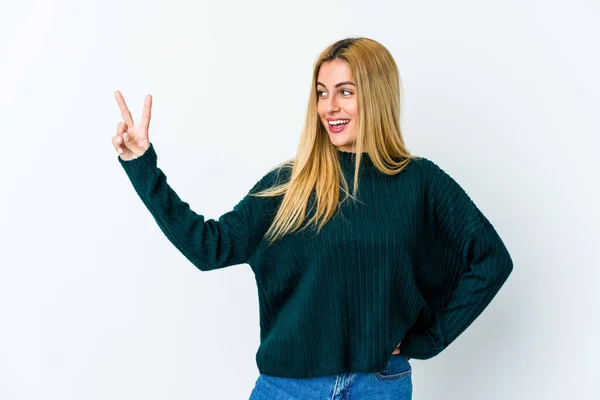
(339, 121)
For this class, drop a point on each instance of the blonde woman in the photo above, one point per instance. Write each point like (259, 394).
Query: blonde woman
(364, 255)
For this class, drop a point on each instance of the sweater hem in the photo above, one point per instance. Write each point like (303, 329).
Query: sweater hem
(356, 368)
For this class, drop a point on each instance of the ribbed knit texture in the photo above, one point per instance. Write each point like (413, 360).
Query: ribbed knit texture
(414, 261)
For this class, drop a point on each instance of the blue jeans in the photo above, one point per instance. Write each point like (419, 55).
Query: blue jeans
(394, 382)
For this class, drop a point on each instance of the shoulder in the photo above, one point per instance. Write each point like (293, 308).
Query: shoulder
(440, 187)
(432, 174)
(426, 165)
(448, 198)
(427, 171)
(277, 175)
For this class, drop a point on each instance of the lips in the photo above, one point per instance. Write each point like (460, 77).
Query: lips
(339, 126)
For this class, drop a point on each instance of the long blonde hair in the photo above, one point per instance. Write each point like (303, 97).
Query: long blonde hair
(316, 167)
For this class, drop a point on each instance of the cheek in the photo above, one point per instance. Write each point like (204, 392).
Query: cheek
(320, 109)
(350, 107)
(320, 113)
(353, 110)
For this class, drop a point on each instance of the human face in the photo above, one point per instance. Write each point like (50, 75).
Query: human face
(336, 100)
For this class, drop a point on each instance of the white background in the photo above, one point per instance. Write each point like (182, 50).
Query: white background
(96, 303)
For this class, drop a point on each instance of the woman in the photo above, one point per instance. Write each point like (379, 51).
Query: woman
(353, 280)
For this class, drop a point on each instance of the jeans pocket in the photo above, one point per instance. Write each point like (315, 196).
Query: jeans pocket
(397, 367)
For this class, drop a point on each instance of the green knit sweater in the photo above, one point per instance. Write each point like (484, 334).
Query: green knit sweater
(413, 261)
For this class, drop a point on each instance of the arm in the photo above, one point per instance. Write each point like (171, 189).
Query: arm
(208, 244)
(472, 250)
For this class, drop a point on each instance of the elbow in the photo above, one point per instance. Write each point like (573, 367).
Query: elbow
(504, 266)
(499, 256)
(507, 262)
(508, 267)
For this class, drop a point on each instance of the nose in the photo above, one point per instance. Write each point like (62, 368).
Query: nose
(332, 104)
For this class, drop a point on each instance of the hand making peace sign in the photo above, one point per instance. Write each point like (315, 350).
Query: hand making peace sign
(132, 141)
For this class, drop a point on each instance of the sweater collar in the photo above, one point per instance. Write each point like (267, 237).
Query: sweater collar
(348, 158)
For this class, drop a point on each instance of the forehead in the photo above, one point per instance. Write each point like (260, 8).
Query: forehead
(334, 71)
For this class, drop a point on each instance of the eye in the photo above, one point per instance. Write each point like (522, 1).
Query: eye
(347, 91)
(319, 93)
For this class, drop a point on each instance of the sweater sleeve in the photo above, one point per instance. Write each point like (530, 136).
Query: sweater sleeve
(475, 260)
(209, 244)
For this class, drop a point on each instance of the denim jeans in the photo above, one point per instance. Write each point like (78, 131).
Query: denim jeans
(394, 382)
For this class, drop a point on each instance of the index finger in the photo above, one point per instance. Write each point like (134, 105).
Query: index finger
(124, 110)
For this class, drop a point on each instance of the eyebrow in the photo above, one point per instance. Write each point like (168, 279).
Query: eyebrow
(339, 84)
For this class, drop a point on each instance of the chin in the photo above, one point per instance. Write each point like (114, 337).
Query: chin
(340, 142)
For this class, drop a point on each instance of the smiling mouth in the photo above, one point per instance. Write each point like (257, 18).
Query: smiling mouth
(338, 121)
(338, 125)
